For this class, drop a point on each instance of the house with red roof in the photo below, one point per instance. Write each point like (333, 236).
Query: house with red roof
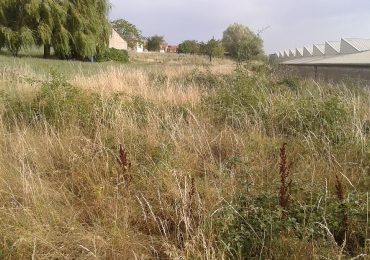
(164, 47)
(168, 48)
(172, 48)
(137, 45)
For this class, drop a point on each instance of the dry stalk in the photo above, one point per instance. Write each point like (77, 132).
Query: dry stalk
(191, 199)
(339, 188)
(285, 183)
(125, 164)
(340, 194)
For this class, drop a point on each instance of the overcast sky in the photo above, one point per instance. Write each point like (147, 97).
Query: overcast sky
(291, 23)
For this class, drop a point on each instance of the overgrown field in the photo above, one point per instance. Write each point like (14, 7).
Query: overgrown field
(169, 160)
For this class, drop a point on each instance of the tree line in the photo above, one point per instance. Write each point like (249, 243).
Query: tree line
(238, 41)
(80, 29)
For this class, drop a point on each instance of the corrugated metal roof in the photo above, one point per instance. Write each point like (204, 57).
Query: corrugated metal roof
(355, 43)
(347, 48)
(349, 51)
(358, 44)
(307, 51)
(335, 45)
(299, 52)
(304, 60)
(318, 49)
(362, 58)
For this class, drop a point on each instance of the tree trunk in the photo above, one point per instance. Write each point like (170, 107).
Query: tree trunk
(47, 48)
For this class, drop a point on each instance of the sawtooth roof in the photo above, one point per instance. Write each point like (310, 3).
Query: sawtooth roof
(299, 52)
(292, 52)
(307, 51)
(348, 51)
(318, 49)
(332, 48)
(359, 59)
(358, 44)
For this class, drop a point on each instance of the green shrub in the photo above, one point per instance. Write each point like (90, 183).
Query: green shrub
(292, 82)
(112, 54)
(235, 98)
(288, 107)
(324, 117)
(60, 103)
(55, 100)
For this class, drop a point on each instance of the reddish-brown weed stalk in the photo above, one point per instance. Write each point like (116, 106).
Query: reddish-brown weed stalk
(125, 164)
(339, 188)
(191, 201)
(285, 183)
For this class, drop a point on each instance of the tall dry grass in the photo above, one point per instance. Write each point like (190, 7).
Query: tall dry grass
(199, 175)
(139, 82)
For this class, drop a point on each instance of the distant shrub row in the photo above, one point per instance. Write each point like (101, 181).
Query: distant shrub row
(112, 54)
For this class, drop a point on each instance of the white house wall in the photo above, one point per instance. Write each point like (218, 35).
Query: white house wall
(116, 41)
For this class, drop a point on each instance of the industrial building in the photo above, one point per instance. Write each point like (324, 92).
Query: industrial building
(332, 61)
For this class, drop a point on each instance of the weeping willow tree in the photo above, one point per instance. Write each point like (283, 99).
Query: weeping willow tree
(73, 28)
(2, 41)
(89, 27)
(15, 29)
(50, 23)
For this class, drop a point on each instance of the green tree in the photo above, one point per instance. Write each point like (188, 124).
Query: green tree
(77, 28)
(51, 18)
(154, 43)
(188, 46)
(89, 27)
(15, 32)
(2, 41)
(129, 32)
(213, 48)
(43, 20)
(242, 43)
